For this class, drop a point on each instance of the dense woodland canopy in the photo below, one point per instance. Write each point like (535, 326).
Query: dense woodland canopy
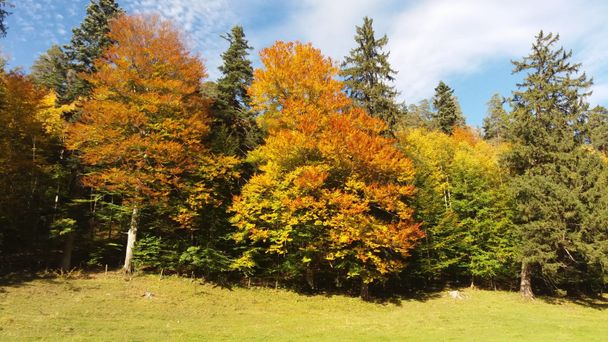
(116, 150)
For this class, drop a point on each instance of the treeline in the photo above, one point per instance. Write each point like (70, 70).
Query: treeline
(116, 150)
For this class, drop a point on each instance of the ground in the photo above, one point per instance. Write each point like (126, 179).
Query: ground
(108, 307)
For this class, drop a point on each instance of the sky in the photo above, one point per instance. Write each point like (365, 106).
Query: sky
(469, 44)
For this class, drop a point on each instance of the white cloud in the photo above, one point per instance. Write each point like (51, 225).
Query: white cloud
(429, 40)
(35, 19)
(438, 39)
(202, 21)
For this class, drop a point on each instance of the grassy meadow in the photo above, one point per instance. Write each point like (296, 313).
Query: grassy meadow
(106, 307)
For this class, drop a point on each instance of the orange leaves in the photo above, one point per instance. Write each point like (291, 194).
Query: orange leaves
(297, 81)
(143, 127)
(332, 190)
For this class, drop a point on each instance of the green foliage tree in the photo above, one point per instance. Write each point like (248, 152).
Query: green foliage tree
(88, 42)
(558, 182)
(447, 113)
(234, 131)
(52, 70)
(367, 74)
(464, 205)
(597, 128)
(496, 122)
(3, 14)
(418, 115)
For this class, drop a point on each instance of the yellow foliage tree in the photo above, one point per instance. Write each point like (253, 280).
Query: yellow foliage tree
(332, 193)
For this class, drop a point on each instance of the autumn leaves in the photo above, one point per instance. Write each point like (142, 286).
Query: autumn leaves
(331, 193)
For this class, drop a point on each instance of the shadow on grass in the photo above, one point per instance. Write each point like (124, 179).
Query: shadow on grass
(598, 303)
(20, 279)
(17, 280)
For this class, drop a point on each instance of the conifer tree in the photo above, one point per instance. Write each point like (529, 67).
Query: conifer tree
(234, 129)
(558, 181)
(88, 43)
(447, 111)
(597, 128)
(495, 124)
(3, 14)
(367, 74)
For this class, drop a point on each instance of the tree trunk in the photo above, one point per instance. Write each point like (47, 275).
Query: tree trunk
(131, 238)
(525, 286)
(364, 290)
(68, 247)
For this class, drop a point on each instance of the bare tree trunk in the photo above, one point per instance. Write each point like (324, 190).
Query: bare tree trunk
(364, 290)
(525, 286)
(131, 238)
(310, 278)
(68, 247)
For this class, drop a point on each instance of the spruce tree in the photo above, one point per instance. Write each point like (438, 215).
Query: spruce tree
(495, 124)
(447, 111)
(234, 131)
(51, 70)
(3, 14)
(367, 74)
(88, 43)
(558, 183)
(597, 128)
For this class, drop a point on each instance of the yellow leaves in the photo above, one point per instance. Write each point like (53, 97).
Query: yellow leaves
(331, 187)
(296, 81)
(311, 177)
(52, 117)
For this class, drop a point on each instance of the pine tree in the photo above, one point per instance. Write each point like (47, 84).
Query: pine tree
(52, 70)
(558, 180)
(88, 43)
(495, 124)
(367, 72)
(234, 129)
(597, 128)
(447, 111)
(3, 14)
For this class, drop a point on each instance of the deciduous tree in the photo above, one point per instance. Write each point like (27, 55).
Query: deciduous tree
(142, 130)
(332, 193)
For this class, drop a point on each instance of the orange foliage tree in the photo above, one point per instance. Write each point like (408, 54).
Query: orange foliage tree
(142, 129)
(331, 197)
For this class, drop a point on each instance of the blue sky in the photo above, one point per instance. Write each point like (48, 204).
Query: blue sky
(467, 43)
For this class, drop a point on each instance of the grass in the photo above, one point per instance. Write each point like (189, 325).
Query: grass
(103, 307)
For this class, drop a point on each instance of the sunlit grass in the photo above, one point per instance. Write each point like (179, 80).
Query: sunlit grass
(110, 308)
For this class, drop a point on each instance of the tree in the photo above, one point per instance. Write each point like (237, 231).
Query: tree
(234, 129)
(496, 122)
(88, 44)
(366, 73)
(447, 111)
(141, 131)
(3, 14)
(464, 202)
(416, 116)
(331, 195)
(52, 70)
(559, 199)
(597, 128)
(25, 173)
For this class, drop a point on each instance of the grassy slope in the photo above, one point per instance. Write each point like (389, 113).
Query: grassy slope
(112, 309)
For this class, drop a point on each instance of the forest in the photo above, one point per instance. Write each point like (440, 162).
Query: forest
(117, 151)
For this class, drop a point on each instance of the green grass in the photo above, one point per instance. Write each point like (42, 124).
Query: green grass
(109, 308)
